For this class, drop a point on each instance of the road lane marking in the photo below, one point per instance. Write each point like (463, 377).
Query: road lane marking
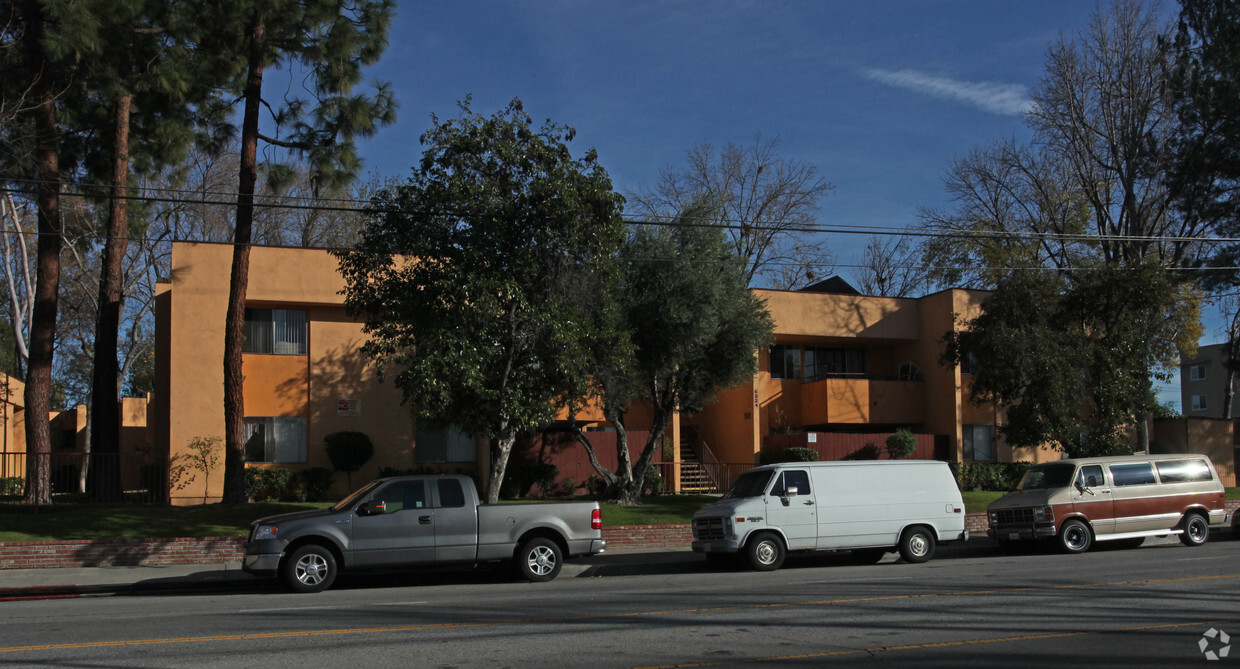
(609, 616)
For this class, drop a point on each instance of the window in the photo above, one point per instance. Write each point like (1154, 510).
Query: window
(1183, 471)
(798, 479)
(785, 362)
(275, 439)
(401, 495)
(1199, 403)
(447, 443)
(1139, 473)
(1197, 373)
(821, 362)
(979, 442)
(451, 495)
(275, 331)
(970, 363)
(1090, 477)
(909, 371)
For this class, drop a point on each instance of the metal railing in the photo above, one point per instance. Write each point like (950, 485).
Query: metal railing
(72, 475)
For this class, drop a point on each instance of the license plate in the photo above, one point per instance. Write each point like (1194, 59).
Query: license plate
(706, 548)
(1013, 536)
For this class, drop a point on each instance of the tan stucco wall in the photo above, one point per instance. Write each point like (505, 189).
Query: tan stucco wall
(1210, 437)
(192, 314)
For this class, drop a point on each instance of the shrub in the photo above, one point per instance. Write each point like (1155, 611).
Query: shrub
(12, 485)
(653, 484)
(348, 451)
(771, 456)
(315, 482)
(269, 484)
(254, 483)
(988, 476)
(522, 474)
(901, 444)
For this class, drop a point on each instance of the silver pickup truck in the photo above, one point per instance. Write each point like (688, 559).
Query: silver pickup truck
(420, 520)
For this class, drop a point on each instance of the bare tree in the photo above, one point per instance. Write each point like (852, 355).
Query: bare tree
(890, 267)
(1090, 186)
(17, 224)
(769, 203)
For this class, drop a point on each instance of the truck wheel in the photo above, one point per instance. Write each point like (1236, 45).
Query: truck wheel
(1075, 537)
(539, 560)
(917, 545)
(765, 552)
(311, 568)
(1196, 530)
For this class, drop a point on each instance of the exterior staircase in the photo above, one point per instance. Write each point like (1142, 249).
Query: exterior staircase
(693, 475)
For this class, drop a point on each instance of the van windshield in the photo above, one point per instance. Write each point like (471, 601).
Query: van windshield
(1056, 475)
(750, 484)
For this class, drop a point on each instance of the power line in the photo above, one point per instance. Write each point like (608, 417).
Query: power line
(263, 201)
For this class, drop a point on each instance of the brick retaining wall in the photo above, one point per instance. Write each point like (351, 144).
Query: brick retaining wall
(154, 552)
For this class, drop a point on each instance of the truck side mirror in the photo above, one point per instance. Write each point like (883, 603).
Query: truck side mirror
(372, 508)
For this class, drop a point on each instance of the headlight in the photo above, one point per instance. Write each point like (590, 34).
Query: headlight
(263, 532)
(1045, 514)
(994, 517)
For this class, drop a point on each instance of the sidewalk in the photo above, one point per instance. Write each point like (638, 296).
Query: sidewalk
(103, 581)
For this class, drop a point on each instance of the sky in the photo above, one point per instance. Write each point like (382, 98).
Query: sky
(879, 96)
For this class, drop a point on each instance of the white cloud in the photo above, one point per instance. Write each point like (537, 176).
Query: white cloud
(1007, 99)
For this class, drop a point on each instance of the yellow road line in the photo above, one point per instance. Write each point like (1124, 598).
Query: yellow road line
(612, 616)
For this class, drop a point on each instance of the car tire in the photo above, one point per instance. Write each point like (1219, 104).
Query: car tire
(765, 551)
(1196, 530)
(311, 568)
(539, 560)
(917, 544)
(1075, 537)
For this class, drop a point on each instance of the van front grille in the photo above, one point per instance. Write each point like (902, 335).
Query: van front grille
(709, 529)
(1014, 516)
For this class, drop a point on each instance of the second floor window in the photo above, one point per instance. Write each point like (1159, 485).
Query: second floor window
(275, 331)
(1197, 373)
(821, 363)
(785, 362)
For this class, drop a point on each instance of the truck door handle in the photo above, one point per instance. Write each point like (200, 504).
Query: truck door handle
(424, 520)
(809, 502)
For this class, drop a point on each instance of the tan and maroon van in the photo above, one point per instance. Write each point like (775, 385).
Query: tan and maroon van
(1122, 498)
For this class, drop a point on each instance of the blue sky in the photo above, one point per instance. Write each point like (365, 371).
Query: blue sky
(880, 96)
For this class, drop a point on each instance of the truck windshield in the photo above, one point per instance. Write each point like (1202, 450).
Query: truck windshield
(357, 494)
(750, 484)
(1055, 475)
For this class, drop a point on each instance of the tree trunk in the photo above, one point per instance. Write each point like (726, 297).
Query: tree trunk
(1229, 374)
(234, 329)
(47, 270)
(501, 448)
(105, 421)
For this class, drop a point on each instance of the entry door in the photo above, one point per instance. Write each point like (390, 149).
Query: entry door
(796, 515)
(1092, 496)
(403, 534)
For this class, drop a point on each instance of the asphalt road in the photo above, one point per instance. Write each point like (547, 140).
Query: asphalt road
(1146, 606)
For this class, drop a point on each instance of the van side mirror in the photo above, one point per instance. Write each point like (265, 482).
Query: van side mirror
(791, 491)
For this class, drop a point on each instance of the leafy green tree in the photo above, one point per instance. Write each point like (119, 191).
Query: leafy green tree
(476, 259)
(42, 46)
(1205, 85)
(1069, 356)
(679, 326)
(330, 40)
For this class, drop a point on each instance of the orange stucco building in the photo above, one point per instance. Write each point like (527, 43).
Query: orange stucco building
(841, 363)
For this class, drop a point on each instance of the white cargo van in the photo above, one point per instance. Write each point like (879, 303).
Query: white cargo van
(868, 507)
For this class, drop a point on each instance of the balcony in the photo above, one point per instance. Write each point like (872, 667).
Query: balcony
(859, 400)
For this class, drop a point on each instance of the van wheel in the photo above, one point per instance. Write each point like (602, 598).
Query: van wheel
(1196, 530)
(311, 568)
(539, 560)
(765, 552)
(917, 545)
(1075, 537)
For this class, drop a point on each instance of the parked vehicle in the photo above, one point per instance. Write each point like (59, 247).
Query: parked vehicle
(870, 508)
(1125, 498)
(420, 520)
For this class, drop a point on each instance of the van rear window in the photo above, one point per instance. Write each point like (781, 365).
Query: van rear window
(1137, 473)
(1183, 471)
